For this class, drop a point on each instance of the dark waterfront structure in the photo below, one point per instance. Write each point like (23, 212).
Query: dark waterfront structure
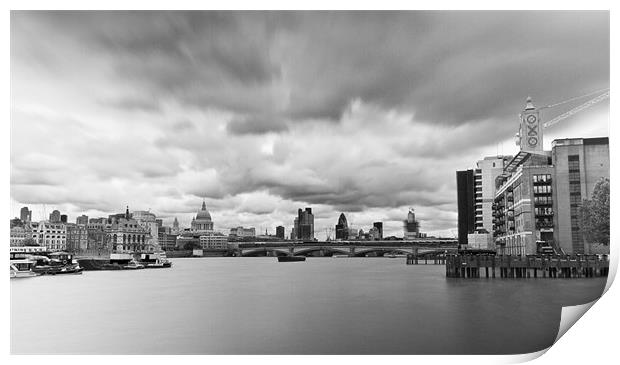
(342, 228)
(466, 204)
(485, 264)
(280, 232)
(304, 224)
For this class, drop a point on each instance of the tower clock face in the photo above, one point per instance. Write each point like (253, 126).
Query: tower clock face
(531, 126)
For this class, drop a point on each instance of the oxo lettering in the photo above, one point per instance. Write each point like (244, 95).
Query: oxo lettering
(531, 130)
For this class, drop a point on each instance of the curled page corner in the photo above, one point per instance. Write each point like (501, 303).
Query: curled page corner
(570, 315)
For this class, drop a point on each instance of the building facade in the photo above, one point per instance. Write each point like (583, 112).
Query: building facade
(579, 164)
(125, 234)
(77, 237)
(240, 232)
(53, 236)
(523, 205)
(19, 234)
(213, 241)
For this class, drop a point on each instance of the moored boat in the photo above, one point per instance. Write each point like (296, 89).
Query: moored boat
(291, 258)
(154, 260)
(22, 268)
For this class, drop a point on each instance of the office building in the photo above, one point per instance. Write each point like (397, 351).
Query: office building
(411, 227)
(579, 164)
(77, 238)
(280, 232)
(379, 230)
(342, 228)
(304, 225)
(25, 215)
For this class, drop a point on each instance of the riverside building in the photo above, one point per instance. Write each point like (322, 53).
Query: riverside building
(475, 196)
(539, 193)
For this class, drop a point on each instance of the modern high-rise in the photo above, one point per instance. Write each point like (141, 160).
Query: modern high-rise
(465, 204)
(579, 164)
(411, 226)
(475, 195)
(379, 227)
(280, 232)
(342, 228)
(25, 215)
(304, 224)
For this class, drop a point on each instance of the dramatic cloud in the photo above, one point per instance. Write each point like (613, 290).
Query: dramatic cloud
(261, 113)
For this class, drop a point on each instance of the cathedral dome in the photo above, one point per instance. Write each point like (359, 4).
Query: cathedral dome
(203, 214)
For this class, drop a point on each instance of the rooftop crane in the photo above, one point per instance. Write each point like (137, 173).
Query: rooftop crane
(576, 109)
(529, 136)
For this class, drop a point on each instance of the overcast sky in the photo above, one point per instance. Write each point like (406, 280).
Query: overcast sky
(264, 113)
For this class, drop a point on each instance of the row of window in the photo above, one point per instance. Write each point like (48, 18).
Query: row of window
(541, 178)
(543, 200)
(543, 189)
(543, 211)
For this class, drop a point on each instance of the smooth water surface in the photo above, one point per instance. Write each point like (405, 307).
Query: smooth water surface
(260, 306)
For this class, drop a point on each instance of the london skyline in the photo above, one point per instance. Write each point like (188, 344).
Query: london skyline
(264, 113)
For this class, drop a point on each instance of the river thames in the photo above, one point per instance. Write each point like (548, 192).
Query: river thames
(260, 306)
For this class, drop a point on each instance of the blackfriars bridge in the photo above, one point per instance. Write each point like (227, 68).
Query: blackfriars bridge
(418, 248)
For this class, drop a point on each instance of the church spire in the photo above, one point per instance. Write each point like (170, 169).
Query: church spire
(204, 205)
(127, 213)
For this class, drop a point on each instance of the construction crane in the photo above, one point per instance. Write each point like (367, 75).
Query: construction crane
(576, 109)
(561, 117)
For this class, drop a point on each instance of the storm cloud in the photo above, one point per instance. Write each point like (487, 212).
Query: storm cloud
(261, 113)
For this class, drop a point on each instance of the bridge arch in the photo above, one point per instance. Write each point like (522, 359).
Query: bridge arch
(381, 251)
(264, 251)
(326, 250)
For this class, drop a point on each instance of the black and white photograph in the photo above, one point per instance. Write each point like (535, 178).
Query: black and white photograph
(305, 182)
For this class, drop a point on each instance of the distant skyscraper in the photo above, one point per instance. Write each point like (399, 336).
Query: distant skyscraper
(411, 226)
(25, 214)
(175, 225)
(63, 218)
(379, 227)
(280, 232)
(342, 228)
(55, 216)
(304, 224)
